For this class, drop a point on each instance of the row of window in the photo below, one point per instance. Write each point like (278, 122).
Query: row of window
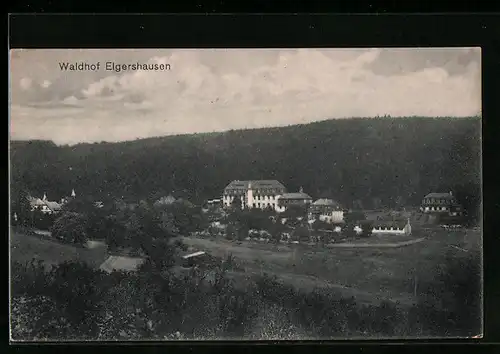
(436, 208)
(263, 205)
(259, 197)
(437, 201)
(387, 229)
(256, 191)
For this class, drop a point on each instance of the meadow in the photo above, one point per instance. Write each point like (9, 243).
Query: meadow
(370, 275)
(25, 248)
(294, 292)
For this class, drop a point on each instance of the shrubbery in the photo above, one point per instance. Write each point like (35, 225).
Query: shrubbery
(90, 304)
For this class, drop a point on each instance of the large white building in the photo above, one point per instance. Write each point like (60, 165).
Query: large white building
(262, 194)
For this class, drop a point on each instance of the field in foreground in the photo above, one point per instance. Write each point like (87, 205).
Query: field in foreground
(153, 306)
(369, 274)
(24, 248)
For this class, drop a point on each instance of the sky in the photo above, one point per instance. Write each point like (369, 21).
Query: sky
(221, 89)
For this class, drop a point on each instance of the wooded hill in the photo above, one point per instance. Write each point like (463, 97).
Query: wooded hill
(370, 162)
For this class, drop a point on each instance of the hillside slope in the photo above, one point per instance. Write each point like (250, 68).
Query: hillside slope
(374, 161)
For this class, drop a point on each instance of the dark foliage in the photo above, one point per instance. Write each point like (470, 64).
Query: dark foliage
(366, 228)
(349, 160)
(354, 217)
(82, 303)
(42, 221)
(70, 227)
(21, 207)
(295, 211)
(452, 304)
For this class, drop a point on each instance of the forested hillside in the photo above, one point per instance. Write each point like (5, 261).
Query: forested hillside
(371, 162)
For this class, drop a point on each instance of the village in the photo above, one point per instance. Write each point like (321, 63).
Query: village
(263, 211)
(255, 194)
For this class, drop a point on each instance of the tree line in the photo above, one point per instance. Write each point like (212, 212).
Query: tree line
(362, 163)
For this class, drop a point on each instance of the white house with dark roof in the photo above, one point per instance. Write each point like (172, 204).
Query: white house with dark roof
(49, 207)
(392, 227)
(326, 210)
(44, 205)
(441, 203)
(260, 194)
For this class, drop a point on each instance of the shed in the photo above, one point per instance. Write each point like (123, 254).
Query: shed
(119, 263)
(196, 259)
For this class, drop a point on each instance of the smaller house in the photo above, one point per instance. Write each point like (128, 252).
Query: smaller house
(326, 210)
(49, 207)
(121, 263)
(288, 199)
(334, 217)
(442, 203)
(44, 205)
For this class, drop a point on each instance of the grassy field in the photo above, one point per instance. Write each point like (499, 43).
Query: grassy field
(23, 248)
(369, 274)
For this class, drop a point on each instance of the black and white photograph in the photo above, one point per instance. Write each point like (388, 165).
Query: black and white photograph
(245, 194)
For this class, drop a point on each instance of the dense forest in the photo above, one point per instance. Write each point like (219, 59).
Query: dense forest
(369, 162)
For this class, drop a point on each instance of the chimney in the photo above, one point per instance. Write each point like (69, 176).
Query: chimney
(44, 196)
(301, 190)
(451, 193)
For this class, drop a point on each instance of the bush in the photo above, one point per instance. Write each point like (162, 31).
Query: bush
(155, 305)
(70, 227)
(451, 304)
(366, 227)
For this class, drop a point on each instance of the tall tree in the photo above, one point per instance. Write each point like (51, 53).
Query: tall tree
(70, 227)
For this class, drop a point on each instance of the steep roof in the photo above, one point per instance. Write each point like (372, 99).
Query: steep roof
(36, 201)
(439, 196)
(121, 263)
(298, 195)
(54, 206)
(256, 184)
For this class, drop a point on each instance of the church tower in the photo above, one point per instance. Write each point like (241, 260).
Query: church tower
(407, 229)
(249, 196)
